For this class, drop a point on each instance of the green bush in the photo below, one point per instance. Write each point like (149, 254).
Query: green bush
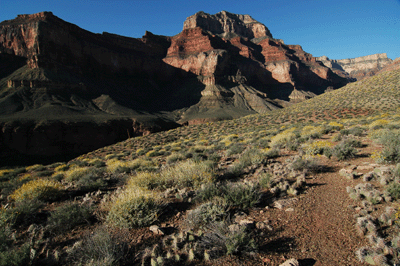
(394, 190)
(306, 164)
(208, 192)
(134, 208)
(67, 216)
(183, 174)
(206, 213)
(248, 158)
(344, 150)
(40, 189)
(390, 139)
(241, 195)
(101, 248)
(235, 149)
(15, 256)
(219, 237)
(396, 170)
(265, 180)
(22, 213)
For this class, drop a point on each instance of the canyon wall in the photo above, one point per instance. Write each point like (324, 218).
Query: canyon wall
(359, 67)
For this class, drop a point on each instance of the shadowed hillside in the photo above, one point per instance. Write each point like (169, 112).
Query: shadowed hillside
(249, 191)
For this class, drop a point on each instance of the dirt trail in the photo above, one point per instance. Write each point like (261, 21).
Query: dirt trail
(319, 229)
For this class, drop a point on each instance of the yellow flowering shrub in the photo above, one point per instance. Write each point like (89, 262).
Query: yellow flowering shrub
(117, 166)
(61, 168)
(5, 171)
(76, 173)
(41, 189)
(317, 147)
(377, 156)
(283, 138)
(336, 125)
(180, 175)
(312, 131)
(34, 167)
(378, 123)
(134, 207)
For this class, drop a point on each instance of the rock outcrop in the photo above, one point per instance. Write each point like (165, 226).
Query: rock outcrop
(220, 66)
(226, 24)
(359, 67)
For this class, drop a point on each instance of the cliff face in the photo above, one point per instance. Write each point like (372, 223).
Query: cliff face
(220, 66)
(227, 24)
(359, 67)
(230, 50)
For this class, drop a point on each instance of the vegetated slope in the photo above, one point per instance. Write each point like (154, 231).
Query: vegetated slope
(271, 186)
(378, 93)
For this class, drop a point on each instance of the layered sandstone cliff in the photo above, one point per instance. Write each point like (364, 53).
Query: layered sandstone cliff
(227, 24)
(358, 67)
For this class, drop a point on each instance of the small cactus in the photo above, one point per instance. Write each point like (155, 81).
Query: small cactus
(191, 255)
(160, 260)
(379, 259)
(156, 251)
(207, 256)
(153, 262)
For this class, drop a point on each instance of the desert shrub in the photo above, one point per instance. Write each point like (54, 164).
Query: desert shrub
(61, 168)
(219, 236)
(390, 139)
(344, 150)
(337, 137)
(394, 190)
(15, 256)
(40, 189)
(139, 164)
(312, 132)
(183, 174)
(391, 150)
(67, 216)
(100, 248)
(306, 164)
(280, 140)
(152, 153)
(76, 173)
(21, 213)
(335, 125)
(380, 123)
(271, 153)
(84, 177)
(263, 142)
(356, 131)
(265, 180)
(174, 157)
(208, 192)
(208, 212)
(97, 163)
(317, 147)
(248, 158)
(396, 170)
(241, 195)
(91, 181)
(36, 167)
(134, 208)
(235, 149)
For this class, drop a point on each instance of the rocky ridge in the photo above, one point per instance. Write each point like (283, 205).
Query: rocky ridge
(359, 67)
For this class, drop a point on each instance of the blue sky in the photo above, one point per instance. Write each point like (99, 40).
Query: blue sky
(336, 28)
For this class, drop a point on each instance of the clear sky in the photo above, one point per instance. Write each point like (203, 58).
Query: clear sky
(338, 29)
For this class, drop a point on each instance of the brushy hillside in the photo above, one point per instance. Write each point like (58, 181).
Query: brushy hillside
(201, 194)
